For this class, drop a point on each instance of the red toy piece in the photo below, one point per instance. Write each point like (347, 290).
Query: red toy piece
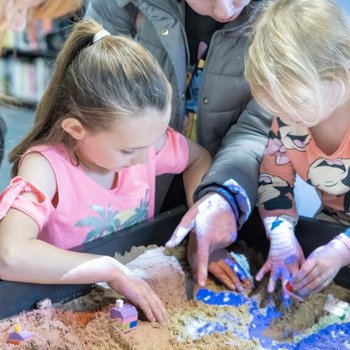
(293, 293)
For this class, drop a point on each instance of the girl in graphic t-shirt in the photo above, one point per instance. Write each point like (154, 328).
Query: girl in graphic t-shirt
(299, 72)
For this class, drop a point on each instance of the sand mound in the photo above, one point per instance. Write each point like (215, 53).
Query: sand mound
(221, 320)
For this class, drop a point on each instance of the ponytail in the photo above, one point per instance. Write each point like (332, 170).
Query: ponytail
(96, 83)
(53, 107)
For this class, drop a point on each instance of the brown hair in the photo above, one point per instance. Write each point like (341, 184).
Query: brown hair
(95, 83)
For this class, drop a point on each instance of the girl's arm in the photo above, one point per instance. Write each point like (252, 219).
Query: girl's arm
(199, 162)
(173, 150)
(277, 209)
(323, 264)
(24, 258)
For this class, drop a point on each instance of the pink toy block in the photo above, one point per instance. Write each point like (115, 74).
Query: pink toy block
(125, 314)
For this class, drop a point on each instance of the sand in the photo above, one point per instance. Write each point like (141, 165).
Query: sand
(84, 323)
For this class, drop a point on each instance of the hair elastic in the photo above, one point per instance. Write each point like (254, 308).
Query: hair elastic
(100, 35)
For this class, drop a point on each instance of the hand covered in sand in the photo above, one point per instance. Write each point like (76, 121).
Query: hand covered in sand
(285, 254)
(322, 265)
(124, 280)
(141, 294)
(227, 270)
(214, 225)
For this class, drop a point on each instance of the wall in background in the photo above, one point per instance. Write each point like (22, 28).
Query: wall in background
(344, 4)
(18, 122)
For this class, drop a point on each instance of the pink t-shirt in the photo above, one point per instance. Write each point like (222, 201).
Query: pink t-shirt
(85, 210)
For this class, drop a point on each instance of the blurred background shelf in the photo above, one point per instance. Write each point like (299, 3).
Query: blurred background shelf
(18, 122)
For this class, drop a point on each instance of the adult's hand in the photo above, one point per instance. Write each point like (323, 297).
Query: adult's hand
(214, 225)
(321, 267)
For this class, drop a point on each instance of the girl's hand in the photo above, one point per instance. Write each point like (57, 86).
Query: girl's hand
(321, 267)
(227, 270)
(141, 294)
(282, 267)
(285, 254)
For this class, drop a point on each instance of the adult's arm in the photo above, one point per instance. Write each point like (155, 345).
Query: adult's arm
(222, 204)
(235, 170)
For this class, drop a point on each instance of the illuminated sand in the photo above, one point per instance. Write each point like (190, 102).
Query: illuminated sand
(241, 322)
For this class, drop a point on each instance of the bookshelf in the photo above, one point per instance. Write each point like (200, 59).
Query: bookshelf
(24, 78)
(27, 58)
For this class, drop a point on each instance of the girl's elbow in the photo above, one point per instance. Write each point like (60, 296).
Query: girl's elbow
(8, 262)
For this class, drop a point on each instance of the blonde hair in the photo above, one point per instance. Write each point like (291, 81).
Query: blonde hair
(56, 8)
(295, 46)
(96, 83)
(48, 9)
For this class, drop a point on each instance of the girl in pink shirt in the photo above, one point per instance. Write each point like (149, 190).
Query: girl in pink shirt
(88, 166)
(298, 68)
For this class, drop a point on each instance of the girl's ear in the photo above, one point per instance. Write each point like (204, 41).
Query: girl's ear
(74, 128)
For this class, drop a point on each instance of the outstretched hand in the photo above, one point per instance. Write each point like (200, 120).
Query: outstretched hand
(321, 267)
(214, 225)
(285, 255)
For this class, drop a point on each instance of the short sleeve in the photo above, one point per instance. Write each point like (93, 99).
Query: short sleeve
(173, 157)
(12, 197)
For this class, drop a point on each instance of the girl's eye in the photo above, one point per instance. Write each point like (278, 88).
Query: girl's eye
(126, 152)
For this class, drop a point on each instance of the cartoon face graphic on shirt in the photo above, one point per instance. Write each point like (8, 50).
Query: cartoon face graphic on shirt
(330, 176)
(274, 147)
(294, 136)
(274, 192)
